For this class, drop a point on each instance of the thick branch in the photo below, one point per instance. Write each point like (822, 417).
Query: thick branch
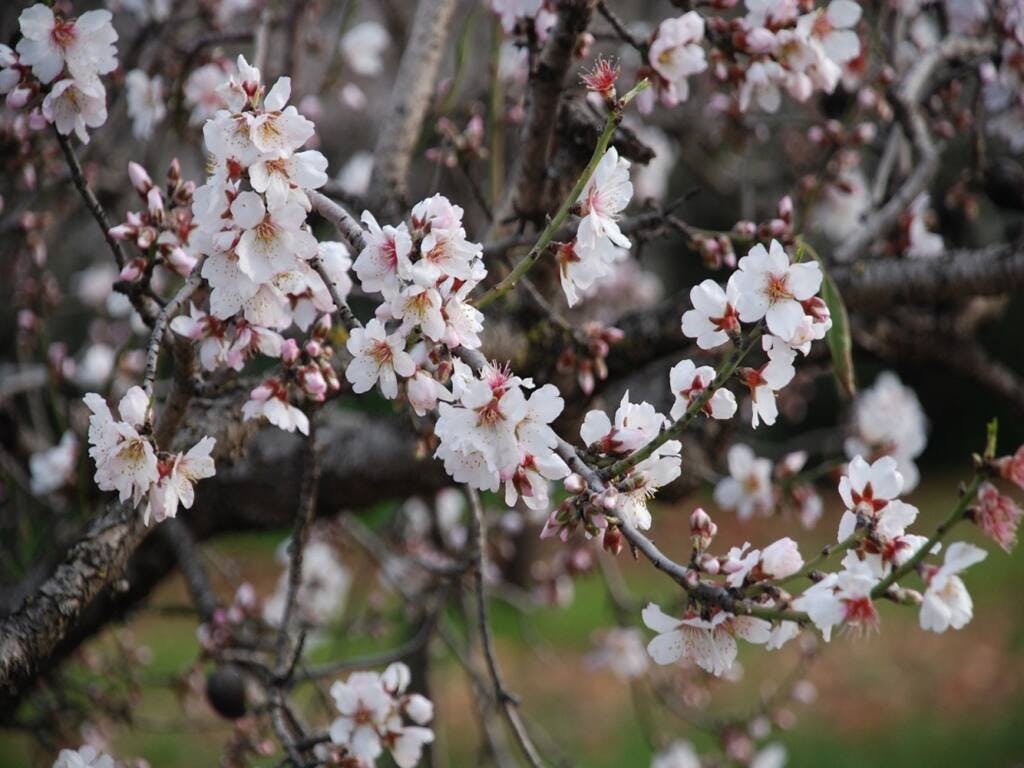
(410, 99)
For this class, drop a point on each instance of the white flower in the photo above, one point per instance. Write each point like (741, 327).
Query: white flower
(739, 563)
(676, 53)
(125, 461)
(678, 754)
(709, 644)
(384, 262)
(781, 559)
(621, 649)
(761, 83)
(95, 367)
(76, 105)
(748, 489)
(270, 401)
(364, 706)
(768, 286)
(842, 206)
(201, 92)
(278, 129)
(286, 179)
(354, 176)
(888, 419)
(843, 598)
(713, 316)
(418, 306)
(85, 44)
(688, 382)
(337, 262)
(607, 193)
(635, 426)
(178, 476)
(84, 757)
(272, 238)
(242, 86)
(947, 603)
(423, 391)
(363, 47)
(377, 356)
(486, 424)
(834, 28)
(771, 377)
(581, 265)
(868, 488)
(322, 591)
(146, 105)
(53, 468)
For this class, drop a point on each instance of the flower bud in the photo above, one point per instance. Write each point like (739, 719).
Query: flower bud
(612, 541)
(289, 351)
(139, 178)
(574, 484)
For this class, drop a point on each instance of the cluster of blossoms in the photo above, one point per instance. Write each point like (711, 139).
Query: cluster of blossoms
(128, 461)
(61, 60)
(756, 487)
(163, 230)
(599, 243)
(773, 48)
(424, 270)
(373, 711)
(765, 286)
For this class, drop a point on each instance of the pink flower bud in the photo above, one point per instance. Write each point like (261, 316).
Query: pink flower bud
(263, 392)
(181, 262)
(155, 203)
(289, 351)
(139, 178)
(132, 271)
(122, 232)
(18, 98)
(574, 484)
(760, 40)
(313, 348)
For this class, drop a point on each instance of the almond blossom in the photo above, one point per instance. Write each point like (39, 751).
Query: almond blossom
(125, 460)
(178, 475)
(603, 199)
(842, 598)
(676, 53)
(75, 106)
(688, 382)
(580, 266)
(322, 591)
(748, 489)
(146, 103)
(270, 401)
(833, 26)
(868, 488)
(363, 48)
(84, 45)
(714, 316)
(384, 262)
(947, 603)
(52, 468)
(769, 286)
(771, 377)
(377, 357)
(997, 515)
(711, 645)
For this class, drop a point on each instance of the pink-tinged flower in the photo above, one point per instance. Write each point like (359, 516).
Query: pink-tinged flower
(603, 199)
(364, 707)
(781, 559)
(377, 357)
(270, 401)
(384, 262)
(85, 45)
(280, 130)
(842, 599)
(147, 106)
(711, 645)
(688, 382)
(286, 179)
(201, 92)
(771, 377)
(636, 424)
(714, 316)
(76, 105)
(418, 306)
(947, 603)
(867, 488)
(676, 53)
(833, 27)
(761, 84)
(1012, 467)
(209, 331)
(580, 265)
(768, 286)
(272, 238)
(738, 563)
(531, 479)
(125, 460)
(424, 391)
(748, 489)
(178, 476)
(997, 516)
(243, 88)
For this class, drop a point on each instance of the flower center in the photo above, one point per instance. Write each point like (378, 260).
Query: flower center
(776, 287)
(63, 33)
(381, 353)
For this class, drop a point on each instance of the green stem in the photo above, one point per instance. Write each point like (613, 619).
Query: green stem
(958, 513)
(541, 246)
(680, 425)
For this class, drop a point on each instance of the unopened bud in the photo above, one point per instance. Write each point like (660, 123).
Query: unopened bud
(612, 541)
(574, 484)
(139, 178)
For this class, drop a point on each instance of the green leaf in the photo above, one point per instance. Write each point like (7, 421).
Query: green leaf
(840, 345)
